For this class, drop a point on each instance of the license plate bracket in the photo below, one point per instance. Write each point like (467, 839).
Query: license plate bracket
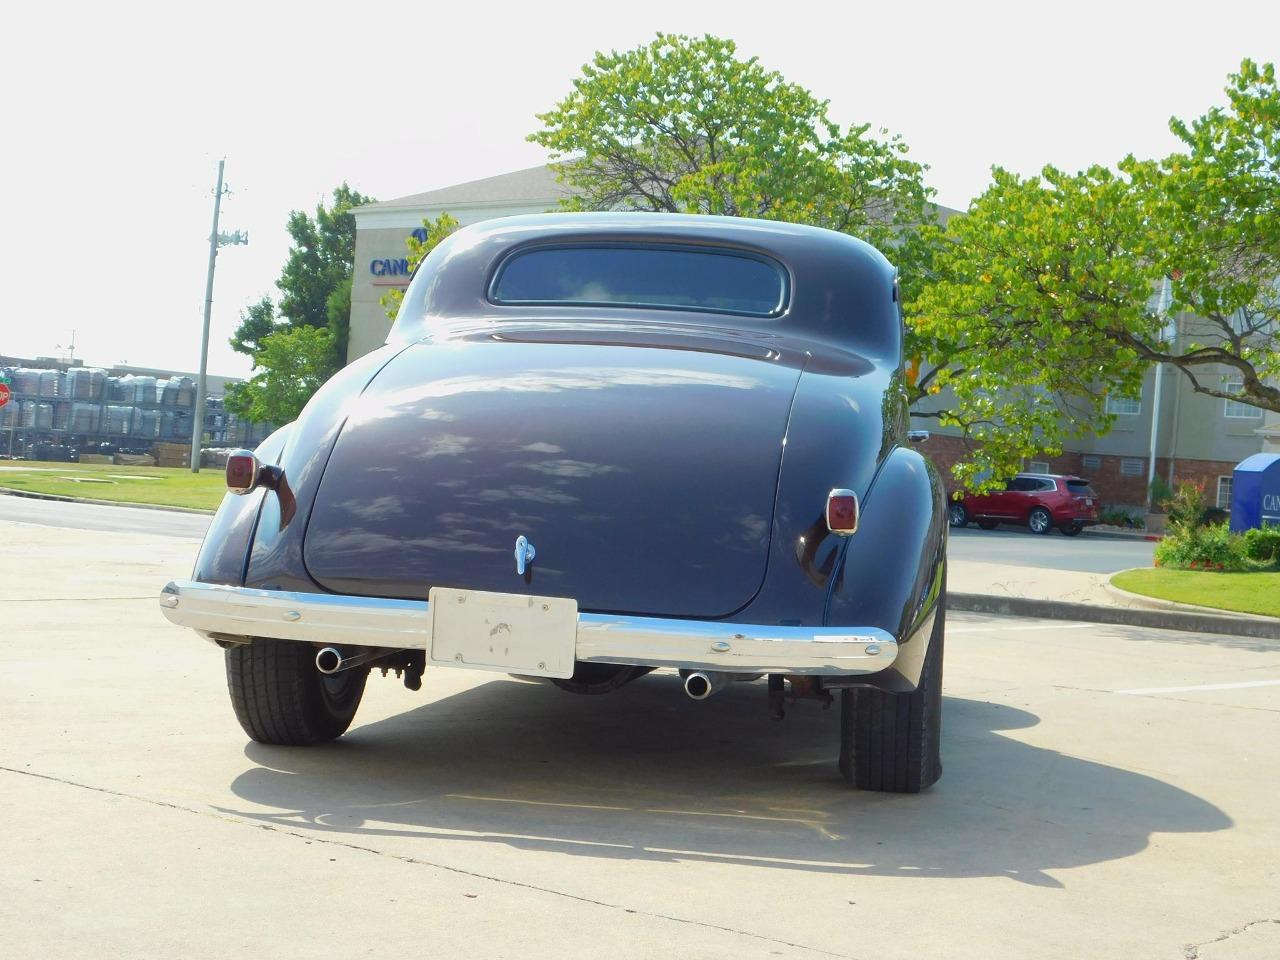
(503, 632)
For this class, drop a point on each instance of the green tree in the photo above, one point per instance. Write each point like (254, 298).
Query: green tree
(1214, 209)
(1031, 275)
(685, 125)
(1049, 295)
(436, 230)
(314, 315)
(320, 265)
(315, 284)
(290, 365)
(257, 322)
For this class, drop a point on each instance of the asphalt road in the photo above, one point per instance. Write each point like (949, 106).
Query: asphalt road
(1088, 553)
(92, 516)
(1104, 795)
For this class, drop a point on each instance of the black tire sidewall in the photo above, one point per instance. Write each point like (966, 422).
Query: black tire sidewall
(280, 697)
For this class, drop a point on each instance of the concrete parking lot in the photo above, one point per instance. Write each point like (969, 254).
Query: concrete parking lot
(1108, 792)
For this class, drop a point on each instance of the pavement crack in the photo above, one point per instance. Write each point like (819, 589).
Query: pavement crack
(1192, 950)
(416, 861)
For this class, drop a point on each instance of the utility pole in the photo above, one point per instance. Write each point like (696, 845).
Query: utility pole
(216, 240)
(1164, 299)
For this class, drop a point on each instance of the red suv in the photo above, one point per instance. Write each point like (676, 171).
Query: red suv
(1040, 500)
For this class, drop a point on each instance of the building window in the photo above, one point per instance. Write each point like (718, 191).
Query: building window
(1038, 466)
(1224, 493)
(1090, 462)
(1124, 406)
(1234, 409)
(1131, 467)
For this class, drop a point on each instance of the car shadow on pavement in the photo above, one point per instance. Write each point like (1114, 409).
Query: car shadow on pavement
(646, 773)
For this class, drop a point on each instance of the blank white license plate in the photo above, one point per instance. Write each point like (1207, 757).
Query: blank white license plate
(507, 632)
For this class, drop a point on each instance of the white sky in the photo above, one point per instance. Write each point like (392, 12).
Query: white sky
(114, 116)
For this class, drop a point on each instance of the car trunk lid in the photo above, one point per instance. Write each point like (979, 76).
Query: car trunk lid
(644, 476)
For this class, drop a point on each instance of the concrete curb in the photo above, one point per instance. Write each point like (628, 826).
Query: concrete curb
(1117, 535)
(1193, 622)
(10, 492)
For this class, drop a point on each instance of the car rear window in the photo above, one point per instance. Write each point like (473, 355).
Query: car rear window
(644, 275)
(1080, 488)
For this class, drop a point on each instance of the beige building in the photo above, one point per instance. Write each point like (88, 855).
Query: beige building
(382, 228)
(1197, 437)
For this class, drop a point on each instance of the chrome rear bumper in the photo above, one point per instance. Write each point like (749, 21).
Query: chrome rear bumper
(234, 613)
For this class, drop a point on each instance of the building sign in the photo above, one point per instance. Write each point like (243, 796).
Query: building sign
(390, 268)
(1255, 492)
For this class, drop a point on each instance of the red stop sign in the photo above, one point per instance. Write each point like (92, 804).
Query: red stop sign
(4, 394)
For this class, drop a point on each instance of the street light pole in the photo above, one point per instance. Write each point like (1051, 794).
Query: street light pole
(197, 425)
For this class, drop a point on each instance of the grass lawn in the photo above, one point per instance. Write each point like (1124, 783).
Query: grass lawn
(1243, 592)
(167, 486)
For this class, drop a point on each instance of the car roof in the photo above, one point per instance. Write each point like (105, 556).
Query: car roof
(841, 289)
(1053, 476)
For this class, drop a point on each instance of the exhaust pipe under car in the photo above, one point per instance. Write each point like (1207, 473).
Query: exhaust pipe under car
(331, 660)
(701, 684)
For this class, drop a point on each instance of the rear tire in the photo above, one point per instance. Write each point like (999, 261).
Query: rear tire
(1040, 521)
(957, 515)
(280, 697)
(890, 742)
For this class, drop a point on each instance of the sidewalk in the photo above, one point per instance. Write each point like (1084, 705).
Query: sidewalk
(1072, 595)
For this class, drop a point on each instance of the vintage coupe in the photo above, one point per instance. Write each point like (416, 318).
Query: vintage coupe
(592, 446)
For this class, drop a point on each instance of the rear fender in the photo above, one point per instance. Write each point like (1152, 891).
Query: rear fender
(893, 571)
(224, 555)
(275, 556)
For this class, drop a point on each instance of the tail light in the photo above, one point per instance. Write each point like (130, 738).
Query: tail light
(842, 512)
(243, 472)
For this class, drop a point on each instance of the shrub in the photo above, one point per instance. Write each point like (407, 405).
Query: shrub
(1263, 546)
(1202, 548)
(1187, 507)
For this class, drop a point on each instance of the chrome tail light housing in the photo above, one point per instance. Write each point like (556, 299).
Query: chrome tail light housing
(842, 512)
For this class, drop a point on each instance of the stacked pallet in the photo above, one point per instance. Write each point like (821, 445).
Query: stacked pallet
(172, 454)
(135, 460)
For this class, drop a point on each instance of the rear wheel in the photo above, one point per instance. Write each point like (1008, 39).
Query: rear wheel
(890, 742)
(280, 697)
(1040, 520)
(957, 514)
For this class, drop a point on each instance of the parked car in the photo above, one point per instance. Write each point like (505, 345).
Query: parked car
(593, 446)
(1040, 501)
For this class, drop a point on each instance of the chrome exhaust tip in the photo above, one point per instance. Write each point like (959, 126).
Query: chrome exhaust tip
(699, 685)
(329, 661)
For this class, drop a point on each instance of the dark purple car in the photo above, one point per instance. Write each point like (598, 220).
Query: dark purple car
(594, 446)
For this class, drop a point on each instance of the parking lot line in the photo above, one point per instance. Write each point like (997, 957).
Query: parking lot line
(1202, 686)
(1021, 626)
